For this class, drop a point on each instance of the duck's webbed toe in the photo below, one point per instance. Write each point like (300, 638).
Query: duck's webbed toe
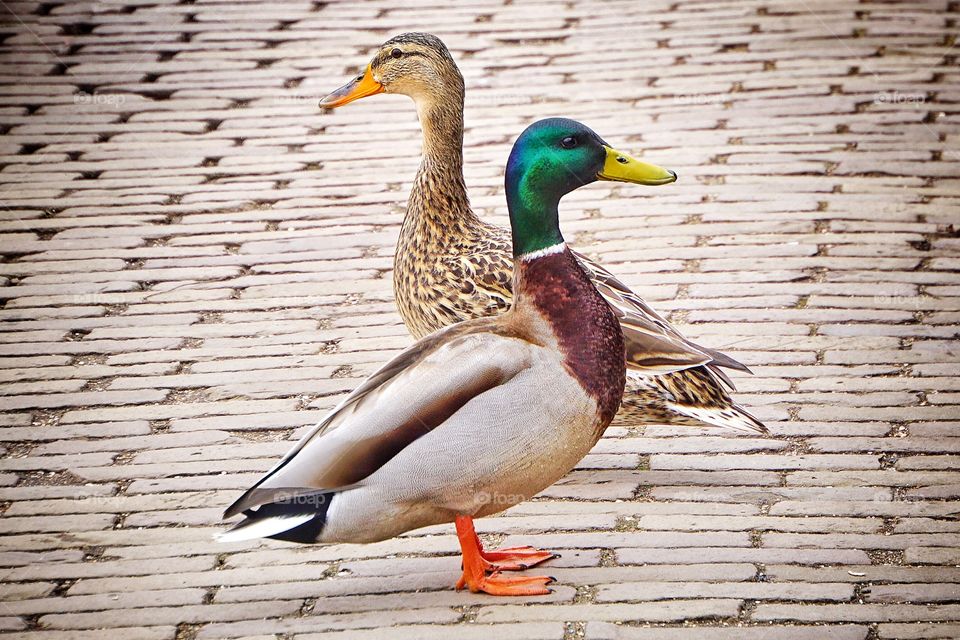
(498, 584)
(516, 558)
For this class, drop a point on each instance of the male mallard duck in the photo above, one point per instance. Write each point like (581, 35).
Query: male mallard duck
(479, 415)
(451, 266)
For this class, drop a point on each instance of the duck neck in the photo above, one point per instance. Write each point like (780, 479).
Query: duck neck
(534, 218)
(442, 125)
(439, 196)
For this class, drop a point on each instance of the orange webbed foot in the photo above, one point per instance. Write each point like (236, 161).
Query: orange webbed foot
(516, 558)
(482, 569)
(498, 584)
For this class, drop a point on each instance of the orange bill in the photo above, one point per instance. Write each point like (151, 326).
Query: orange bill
(360, 87)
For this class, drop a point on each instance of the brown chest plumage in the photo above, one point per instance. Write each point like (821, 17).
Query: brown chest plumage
(587, 332)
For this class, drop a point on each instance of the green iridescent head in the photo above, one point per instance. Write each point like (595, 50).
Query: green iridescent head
(550, 159)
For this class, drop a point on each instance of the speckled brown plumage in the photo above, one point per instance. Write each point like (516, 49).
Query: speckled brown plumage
(449, 265)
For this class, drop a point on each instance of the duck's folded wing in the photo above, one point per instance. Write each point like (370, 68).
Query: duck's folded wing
(411, 395)
(652, 345)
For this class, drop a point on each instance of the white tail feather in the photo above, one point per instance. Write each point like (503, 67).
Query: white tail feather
(731, 417)
(250, 529)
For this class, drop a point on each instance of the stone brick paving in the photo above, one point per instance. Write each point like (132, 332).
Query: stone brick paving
(196, 265)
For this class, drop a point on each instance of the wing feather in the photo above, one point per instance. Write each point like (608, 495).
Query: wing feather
(409, 396)
(652, 345)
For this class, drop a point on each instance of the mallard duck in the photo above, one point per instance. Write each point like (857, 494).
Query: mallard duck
(450, 266)
(477, 416)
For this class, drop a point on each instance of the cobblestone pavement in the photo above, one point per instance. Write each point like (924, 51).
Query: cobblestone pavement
(197, 265)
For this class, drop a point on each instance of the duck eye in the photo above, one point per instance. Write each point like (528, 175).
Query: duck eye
(396, 53)
(569, 142)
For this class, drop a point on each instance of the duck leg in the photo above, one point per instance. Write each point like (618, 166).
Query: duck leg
(475, 568)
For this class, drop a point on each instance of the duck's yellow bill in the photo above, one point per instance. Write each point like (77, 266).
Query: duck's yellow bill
(360, 87)
(620, 167)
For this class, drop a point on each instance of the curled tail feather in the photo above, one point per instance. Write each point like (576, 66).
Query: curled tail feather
(293, 520)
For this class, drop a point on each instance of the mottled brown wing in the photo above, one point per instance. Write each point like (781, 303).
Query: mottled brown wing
(491, 262)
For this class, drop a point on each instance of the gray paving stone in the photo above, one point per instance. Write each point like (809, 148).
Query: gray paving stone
(190, 255)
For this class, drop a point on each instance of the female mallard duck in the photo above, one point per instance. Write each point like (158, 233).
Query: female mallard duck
(477, 416)
(451, 266)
